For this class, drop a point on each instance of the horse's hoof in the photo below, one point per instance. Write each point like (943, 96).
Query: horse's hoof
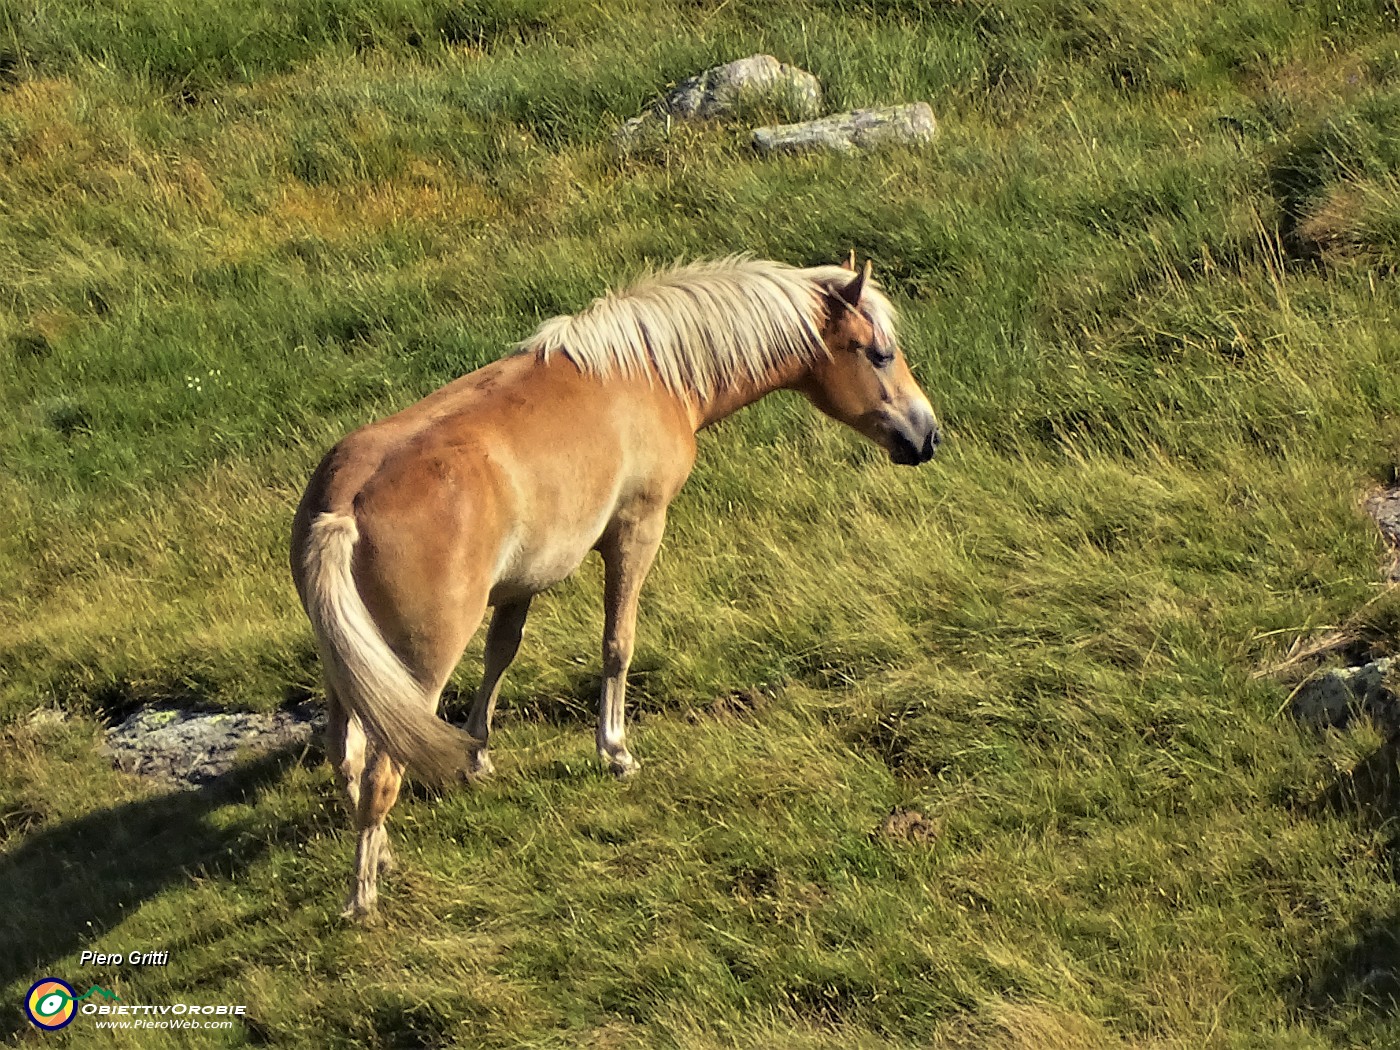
(623, 766)
(479, 765)
(359, 913)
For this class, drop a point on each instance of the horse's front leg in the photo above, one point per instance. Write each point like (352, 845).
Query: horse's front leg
(628, 549)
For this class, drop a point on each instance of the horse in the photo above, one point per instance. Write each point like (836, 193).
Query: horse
(496, 487)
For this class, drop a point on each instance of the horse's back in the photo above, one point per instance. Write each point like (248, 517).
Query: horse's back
(506, 477)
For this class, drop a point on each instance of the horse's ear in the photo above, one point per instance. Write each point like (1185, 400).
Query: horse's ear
(856, 288)
(850, 263)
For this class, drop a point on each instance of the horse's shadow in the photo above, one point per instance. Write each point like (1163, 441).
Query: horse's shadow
(575, 703)
(1360, 966)
(65, 886)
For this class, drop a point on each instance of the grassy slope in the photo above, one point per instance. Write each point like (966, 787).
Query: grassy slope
(1147, 281)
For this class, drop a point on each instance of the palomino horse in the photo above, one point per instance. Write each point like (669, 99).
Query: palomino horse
(497, 486)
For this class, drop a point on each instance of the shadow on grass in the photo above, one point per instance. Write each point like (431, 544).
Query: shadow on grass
(573, 705)
(1359, 967)
(64, 886)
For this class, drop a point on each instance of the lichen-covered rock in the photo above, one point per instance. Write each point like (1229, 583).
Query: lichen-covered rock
(1334, 698)
(189, 748)
(861, 129)
(1384, 507)
(756, 80)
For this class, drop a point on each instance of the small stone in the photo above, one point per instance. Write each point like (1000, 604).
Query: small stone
(861, 129)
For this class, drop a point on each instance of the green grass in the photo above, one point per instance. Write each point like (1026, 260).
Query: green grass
(1147, 275)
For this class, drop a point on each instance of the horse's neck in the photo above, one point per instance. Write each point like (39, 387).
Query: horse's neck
(735, 396)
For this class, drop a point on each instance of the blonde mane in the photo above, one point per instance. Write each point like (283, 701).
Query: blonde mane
(700, 328)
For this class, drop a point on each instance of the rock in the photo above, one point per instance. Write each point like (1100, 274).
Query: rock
(190, 748)
(861, 129)
(1333, 699)
(758, 78)
(1384, 507)
(717, 92)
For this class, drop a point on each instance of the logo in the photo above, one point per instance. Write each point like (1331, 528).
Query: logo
(50, 1002)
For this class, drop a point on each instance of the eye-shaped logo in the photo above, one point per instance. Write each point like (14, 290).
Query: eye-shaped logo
(49, 1004)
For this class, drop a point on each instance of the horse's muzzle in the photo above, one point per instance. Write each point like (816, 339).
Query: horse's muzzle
(912, 450)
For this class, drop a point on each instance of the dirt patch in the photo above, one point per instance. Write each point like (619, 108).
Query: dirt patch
(908, 825)
(190, 748)
(741, 704)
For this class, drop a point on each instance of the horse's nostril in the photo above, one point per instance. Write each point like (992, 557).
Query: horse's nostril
(930, 445)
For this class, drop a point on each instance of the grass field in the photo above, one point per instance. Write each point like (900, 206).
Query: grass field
(1147, 276)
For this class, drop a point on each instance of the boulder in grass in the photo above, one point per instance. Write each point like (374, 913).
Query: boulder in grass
(1333, 699)
(192, 748)
(723, 90)
(861, 129)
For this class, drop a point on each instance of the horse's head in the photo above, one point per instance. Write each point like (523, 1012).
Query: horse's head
(864, 381)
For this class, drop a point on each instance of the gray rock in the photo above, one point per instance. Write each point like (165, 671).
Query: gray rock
(861, 129)
(1384, 507)
(717, 92)
(1333, 699)
(188, 748)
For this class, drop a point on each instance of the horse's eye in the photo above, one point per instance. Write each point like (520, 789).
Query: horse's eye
(879, 356)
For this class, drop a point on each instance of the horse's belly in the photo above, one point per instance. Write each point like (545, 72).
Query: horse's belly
(564, 522)
(533, 569)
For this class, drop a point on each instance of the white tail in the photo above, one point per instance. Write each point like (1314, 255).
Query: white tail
(367, 676)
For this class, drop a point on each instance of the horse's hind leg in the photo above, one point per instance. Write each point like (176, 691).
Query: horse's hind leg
(383, 777)
(433, 653)
(345, 747)
(502, 643)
